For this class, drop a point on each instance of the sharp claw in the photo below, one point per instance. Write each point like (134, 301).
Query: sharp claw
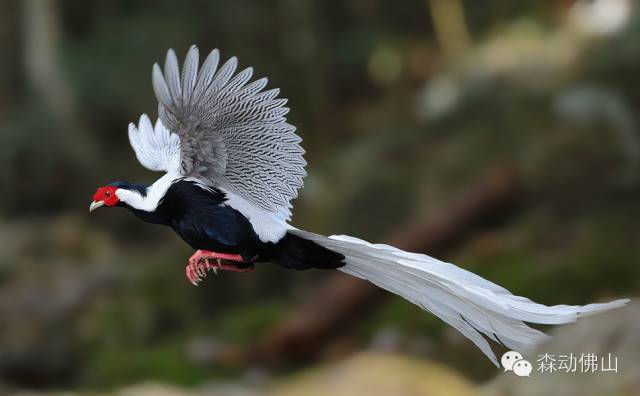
(192, 274)
(200, 264)
(206, 267)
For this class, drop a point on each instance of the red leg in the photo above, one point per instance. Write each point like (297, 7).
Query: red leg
(199, 264)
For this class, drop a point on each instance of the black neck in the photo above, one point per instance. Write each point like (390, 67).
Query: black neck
(156, 217)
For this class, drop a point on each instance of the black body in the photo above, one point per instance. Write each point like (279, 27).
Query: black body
(202, 219)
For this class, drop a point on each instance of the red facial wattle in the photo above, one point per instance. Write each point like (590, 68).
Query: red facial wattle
(106, 195)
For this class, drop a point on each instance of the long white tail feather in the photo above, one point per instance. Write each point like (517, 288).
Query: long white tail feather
(464, 300)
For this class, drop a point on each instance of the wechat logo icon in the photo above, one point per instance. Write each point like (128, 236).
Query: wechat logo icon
(513, 361)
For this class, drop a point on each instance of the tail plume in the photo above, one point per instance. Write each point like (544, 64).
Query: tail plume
(476, 307)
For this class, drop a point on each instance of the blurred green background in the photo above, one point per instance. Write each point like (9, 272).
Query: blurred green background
(403, 107)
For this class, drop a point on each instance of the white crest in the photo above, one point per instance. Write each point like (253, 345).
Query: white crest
(155, 193)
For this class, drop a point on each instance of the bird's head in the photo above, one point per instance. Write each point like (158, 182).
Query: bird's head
(121, 193)
(104, 196)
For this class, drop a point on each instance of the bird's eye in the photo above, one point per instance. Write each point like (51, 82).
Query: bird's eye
(107, 194)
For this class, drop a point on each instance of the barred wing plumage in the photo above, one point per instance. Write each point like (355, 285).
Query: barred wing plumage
(232, 133)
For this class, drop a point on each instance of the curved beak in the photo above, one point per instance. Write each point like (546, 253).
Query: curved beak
(95, 205)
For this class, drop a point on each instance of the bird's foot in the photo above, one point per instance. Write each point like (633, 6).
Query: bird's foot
(199, 264)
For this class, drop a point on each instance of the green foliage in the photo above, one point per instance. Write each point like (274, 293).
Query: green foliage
(126, 364)
(244, 324)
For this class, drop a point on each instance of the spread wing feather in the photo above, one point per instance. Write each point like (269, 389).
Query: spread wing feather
(232, 133)
(156, 148)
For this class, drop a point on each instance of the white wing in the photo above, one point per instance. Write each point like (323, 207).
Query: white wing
(233, 134)
(156, 148)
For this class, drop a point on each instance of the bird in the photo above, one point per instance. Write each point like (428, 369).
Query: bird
(232, 165)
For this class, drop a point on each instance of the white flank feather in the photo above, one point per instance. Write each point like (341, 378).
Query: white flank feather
(473, 305)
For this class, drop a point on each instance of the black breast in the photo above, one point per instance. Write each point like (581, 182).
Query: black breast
(202, 219)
